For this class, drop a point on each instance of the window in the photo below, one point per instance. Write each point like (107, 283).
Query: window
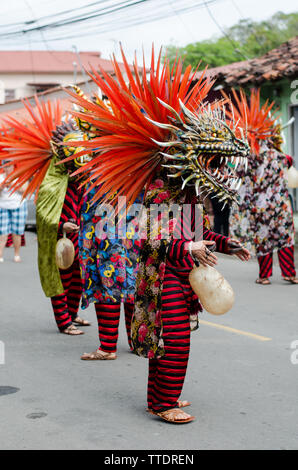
(10, 94)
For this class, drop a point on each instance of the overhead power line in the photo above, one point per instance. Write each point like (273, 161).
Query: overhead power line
(53, 15)
(141, 12)
(236, 49)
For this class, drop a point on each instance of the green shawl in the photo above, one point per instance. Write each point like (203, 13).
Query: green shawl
(48, 211)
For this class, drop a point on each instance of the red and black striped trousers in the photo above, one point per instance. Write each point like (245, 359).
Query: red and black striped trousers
(286, 262)
(166, 375)
(9, 241)
(108, 318)
(66, 305)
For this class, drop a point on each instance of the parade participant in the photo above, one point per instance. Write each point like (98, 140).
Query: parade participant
(156, 122)
(108, 264)
(263, 220)
(34, 146)
(109, 268)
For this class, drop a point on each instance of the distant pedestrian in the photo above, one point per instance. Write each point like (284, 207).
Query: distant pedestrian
(13, 213)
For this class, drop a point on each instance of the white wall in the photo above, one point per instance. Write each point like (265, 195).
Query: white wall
(18, 82)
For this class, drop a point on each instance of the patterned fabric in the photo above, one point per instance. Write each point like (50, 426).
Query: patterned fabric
(286, 262)
(71, 212)
(10, 241)
(146, 324)
(167, 374)
(109, 264)
(157, 255)
(66, 305)
(13, 220)
(263, 221)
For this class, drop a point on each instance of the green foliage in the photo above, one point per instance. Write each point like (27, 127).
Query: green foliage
(246, 39)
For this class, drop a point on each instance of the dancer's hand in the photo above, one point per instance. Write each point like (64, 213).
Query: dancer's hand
(235, 248)
(69, 227)
(203, 254)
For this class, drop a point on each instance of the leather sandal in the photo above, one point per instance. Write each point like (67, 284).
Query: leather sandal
(80, 321)
(174, 416)
(291, 280)
(263, 281)
(99, 355)
(181, 404)
(72, 331)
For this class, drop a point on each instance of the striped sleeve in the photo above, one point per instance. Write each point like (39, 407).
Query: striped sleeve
(178, 252)
(69, 209)
(220, 240)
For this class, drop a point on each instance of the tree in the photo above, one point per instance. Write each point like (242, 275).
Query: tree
(245, 40)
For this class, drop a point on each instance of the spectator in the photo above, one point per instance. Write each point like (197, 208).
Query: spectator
(13, 213)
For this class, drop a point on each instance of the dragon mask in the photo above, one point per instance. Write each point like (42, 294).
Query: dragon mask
(155, 119)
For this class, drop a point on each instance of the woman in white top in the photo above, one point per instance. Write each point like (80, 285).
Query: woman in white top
(13, 213)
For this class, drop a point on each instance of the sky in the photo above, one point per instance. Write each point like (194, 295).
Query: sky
(177, 28)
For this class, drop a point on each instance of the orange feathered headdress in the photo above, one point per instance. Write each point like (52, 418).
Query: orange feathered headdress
(249, 114)
(126, 150)
(26, 144)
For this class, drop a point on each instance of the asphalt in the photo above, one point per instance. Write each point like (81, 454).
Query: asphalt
(241, 380)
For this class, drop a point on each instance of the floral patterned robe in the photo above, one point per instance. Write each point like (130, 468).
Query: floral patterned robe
(108, 265)
(263, 221)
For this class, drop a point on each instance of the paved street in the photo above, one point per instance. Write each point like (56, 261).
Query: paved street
(240, 380)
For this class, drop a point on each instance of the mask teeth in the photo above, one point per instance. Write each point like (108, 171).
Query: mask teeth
(233, 183)
(179, 167)
(163, 126)
(171, 109)
(173, 157)
(238, 184)
(176, 175)
(226, 202)
(187, 180)
(197, 185)
(188, 113)
(168, 144)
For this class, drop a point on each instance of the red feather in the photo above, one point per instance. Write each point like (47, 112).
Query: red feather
(27, 144)
(124, 155)
(257, 119)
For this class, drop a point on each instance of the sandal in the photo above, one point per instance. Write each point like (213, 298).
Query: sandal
(72, 331)
(80, 321)
(264, 281)
(99, 355)
(291, 280)
(174, 416)
(181, 404)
